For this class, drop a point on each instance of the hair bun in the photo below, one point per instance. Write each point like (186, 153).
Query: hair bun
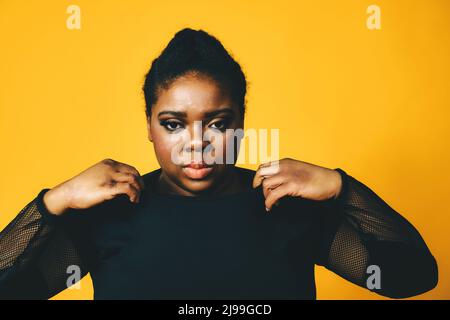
(195, 51)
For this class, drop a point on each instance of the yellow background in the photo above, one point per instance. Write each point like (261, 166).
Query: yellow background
(375, 103)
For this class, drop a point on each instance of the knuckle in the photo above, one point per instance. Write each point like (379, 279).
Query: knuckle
(110, 183)
(132, 187)
(134, 178)
(128, 174)
(109, 161)
(126, 165)
(129, 186)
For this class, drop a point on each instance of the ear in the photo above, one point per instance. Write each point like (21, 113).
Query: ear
(149, 131)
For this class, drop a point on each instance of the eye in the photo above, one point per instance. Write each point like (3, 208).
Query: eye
(221, 125)
(171, 125)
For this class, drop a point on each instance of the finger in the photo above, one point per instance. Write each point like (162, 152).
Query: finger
(123, 167)
(257, 179)
(263, 172)
(275, 194)
(269, 170)
(271, 182)
(269, 164)
(126, 188)
(133, 170)
(127, 177)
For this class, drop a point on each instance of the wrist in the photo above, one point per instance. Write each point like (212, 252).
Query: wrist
(55, 201)
(338, 184)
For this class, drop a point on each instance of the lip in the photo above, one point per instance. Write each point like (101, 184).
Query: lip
(197, 171)
(198, 165)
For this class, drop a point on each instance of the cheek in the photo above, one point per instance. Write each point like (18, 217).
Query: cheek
(224, 152)
(162, 144)
(231, 147)
(169, 147)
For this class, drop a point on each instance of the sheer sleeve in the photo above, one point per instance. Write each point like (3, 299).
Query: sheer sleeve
(36, 249)
(362, 230)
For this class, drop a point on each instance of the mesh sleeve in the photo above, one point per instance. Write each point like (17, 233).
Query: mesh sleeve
(36, 249)
(365, 231)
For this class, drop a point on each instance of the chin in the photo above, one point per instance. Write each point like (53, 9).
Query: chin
(197, 186)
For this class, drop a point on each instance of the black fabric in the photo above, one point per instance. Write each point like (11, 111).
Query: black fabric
(214, 247)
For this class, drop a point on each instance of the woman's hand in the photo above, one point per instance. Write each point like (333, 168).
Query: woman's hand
(100, 182)
(290, 177)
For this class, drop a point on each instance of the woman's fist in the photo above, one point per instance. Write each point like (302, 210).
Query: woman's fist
(100, 182)
(289, 177)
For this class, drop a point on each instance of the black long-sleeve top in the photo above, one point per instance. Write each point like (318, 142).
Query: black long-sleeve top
(214, 247)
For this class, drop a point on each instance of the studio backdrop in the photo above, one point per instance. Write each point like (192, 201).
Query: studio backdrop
(360, 85)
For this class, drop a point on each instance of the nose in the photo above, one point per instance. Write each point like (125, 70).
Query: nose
(195, 142)
(196, 145)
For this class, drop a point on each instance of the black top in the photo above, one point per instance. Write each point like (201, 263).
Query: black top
(214, 247)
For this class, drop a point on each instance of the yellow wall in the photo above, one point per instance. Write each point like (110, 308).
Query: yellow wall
(373, 102)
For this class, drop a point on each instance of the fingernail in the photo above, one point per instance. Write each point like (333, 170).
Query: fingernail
(267, 209)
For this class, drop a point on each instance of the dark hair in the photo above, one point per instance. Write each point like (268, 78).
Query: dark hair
(195, 51)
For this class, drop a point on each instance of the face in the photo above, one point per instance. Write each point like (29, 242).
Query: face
(188, 127)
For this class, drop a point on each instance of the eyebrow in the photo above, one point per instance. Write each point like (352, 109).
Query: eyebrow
(209, 114)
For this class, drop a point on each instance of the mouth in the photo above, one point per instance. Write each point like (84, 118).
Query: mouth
(197, 171)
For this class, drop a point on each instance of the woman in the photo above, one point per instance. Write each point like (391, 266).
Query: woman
(194, 229)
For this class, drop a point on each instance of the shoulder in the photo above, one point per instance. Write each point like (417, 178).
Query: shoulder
(150, 176)
(245, 171)
(246, 174)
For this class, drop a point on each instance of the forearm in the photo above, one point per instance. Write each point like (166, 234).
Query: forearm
(22, 244)
(380, 236)
(24, 236)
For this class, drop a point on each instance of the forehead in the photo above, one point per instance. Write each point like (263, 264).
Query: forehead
(194, 95)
